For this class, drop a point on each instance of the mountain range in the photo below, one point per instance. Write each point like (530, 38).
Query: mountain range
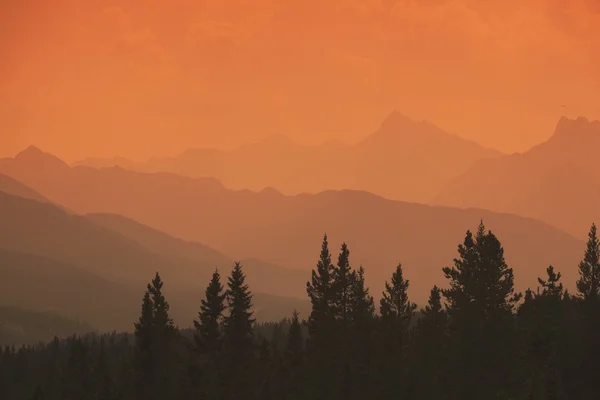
(96, 267)
(557, 181)
(403, 160)
(287, 230)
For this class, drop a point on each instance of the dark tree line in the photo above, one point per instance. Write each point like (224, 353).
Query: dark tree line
(475, 339)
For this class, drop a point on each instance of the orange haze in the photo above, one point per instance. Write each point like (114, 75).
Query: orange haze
(99, 78)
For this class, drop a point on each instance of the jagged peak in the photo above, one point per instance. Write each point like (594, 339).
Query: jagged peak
(579, 126)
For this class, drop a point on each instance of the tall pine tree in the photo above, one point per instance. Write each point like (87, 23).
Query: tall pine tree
(208, 326)
(320, 292)
(430, 351)
(588, 287)
(206, 369)
(481, 300)
(156, 346)
(239, 348)
(588, 284)
(396, 312)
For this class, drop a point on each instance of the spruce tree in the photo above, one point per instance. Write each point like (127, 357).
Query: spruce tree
(588, 284)
(155, 351)
(144, 354)
(238, 335)
(323, 340)
(588, 287)
(208, 325)
(395, 308)
(552, 286)
(481, 300)
(361, 335)
(206, 369)
(396, 313)
(430, 343)
(342, 288)
(319, 291)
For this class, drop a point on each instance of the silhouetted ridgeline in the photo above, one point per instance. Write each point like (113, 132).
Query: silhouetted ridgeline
(475, 339)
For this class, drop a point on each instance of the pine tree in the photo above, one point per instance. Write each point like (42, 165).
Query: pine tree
(360, 336)
(430, 349)
(205, 371)
(238, 334)
(320, 293)
(323, 339)
(481, 300)
(155, 346)
(395, 308)
(588, 285)
(342, 288)
(396, 313)
(208, 325)
(144, 355)
(552, 286)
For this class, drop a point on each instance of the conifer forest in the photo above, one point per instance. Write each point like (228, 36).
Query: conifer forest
(475, 339)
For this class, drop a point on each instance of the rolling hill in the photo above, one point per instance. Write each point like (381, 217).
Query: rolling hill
(557, 181)
(403, 159)
(287, 230)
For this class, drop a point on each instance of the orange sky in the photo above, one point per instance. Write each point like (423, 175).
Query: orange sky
(140, 78)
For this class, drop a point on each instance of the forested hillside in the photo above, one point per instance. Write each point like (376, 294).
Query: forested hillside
(475, 339)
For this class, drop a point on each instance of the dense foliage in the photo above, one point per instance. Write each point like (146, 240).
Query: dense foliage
(475, 339)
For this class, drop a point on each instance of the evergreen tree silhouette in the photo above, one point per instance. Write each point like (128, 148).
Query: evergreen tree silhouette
(238, 334)
(481, 300)
(396, 313)
(552, 285)
(320, 292)
(205, 371)
(208, 326)
(588, 284)
(322, 343)
(430, 349)
(588, 287)
(342, 288)
(155, 346)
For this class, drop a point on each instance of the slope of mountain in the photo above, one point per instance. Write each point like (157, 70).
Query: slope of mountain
(13, 187)
(287, 230)
(20, 326)
(40, 283)
(32, 227)
(261, 276)
(557, 181)
(403, 159)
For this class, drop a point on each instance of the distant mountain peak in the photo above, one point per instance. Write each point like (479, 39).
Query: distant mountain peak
(396, 120)
(35, 155)
(581, 126)
(31, 150)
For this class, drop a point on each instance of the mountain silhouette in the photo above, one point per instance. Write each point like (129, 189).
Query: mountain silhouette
(13, 187)
(261, 276)
(97, 251)
(557, 181)
(403, 159)
(40, 283)
(287, 230)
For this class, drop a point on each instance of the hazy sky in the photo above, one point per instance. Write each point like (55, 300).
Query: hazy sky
(138, 78)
